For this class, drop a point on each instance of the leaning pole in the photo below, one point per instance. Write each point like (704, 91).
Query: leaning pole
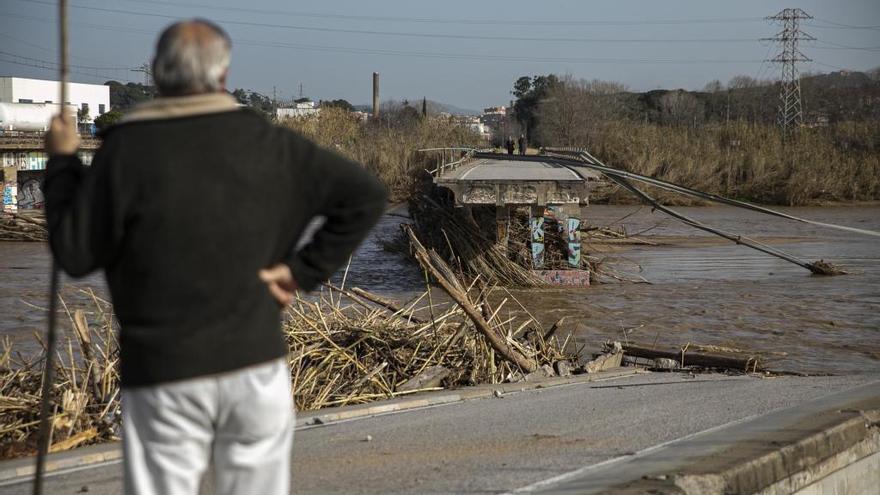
(45, 433)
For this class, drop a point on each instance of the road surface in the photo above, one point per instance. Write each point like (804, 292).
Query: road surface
(502, 444)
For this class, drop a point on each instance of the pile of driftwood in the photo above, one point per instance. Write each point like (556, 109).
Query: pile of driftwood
(85, 393)
(346, 347)
(350, 347)
(465, 238)
(29, 226)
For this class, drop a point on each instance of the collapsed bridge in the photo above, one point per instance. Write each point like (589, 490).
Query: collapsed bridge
(546, 185)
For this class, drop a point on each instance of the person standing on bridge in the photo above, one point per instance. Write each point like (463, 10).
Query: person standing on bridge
(509, 144)
(193, 208)
(522, 144)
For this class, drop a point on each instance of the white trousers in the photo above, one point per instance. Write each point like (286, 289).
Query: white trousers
(242, 421)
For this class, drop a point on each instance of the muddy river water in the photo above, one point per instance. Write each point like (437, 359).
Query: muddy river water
(699, 290)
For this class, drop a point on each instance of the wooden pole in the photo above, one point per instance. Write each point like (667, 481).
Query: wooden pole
(45, 434)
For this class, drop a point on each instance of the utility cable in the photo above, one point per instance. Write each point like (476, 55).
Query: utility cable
(411, 34)
(465, 21)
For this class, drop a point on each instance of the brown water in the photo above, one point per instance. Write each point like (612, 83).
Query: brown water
(701, 291)
(731, 295)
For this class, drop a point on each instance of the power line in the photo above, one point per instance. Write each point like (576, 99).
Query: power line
(838, 46)
(838, 25)
(30, 59)
(418, 54)
(465, 21)
(50, 66)
(417, 34)
(53, 51)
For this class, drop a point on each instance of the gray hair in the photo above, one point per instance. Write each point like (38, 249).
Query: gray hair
(192, 57)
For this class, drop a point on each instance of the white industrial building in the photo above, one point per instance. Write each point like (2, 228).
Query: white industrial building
(299, 109)
(90, 99)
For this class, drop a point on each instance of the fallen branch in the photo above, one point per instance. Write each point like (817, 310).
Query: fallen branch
(500, 345)
(685, 358)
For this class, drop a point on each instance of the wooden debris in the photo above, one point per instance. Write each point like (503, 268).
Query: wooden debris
(432, 377)
(689, 358)
(387, 304)
(343, 350)
(501, 345)
(29, 226)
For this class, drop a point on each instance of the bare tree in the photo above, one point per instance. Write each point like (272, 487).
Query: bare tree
(573, 111)
(742, 82)
(713, 87)
(681, 108)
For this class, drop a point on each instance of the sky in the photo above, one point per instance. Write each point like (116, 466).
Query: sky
(462, 52)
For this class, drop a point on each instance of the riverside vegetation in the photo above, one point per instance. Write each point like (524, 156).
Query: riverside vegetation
(838, 163)
(388, 147)
(719, 140)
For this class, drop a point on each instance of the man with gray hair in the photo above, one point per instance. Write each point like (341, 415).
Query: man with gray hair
(193, 207)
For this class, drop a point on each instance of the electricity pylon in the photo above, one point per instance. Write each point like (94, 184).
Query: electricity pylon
(791, 112)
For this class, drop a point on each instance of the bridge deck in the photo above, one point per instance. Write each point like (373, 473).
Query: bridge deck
(517, 180)
(489, 169)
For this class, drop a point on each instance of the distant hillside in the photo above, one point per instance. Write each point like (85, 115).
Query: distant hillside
(837, 96)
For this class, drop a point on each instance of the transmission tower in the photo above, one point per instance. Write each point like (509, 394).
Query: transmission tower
(147, 71)
(790, 107)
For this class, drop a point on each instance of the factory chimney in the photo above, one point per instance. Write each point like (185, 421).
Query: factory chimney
(375, 95)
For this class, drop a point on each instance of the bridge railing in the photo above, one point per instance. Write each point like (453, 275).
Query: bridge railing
(449, 158)
(571, 152)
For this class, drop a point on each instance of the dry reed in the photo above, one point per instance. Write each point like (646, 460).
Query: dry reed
(748, 161)
(387, 147)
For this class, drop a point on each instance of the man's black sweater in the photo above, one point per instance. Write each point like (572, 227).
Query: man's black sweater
(183, 212)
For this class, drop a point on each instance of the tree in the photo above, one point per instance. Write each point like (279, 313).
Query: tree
(343, 104)
(742, 82)
(574, 110)
(82, 115)
(107, 119)
(681, 108)
(125, 96)
(529, 92)
(260, 103)
(713, 87)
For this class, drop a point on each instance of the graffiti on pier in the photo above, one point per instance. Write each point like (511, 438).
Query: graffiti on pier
(30, 194)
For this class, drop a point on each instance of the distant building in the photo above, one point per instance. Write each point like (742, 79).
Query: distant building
(91, 100)
(299, 109)
(494, 116)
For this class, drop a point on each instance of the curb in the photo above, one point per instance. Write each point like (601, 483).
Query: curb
(442, 397)
(19, 470)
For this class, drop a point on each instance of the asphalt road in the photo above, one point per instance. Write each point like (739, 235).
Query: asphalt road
(492, 170)
(501, 444)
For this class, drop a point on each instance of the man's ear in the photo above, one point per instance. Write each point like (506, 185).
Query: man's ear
(223, 81)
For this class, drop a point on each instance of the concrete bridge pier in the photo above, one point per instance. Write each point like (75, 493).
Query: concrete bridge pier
(570, 221)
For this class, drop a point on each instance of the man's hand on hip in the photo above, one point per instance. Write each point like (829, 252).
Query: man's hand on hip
(62, 138)
(280, 281)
